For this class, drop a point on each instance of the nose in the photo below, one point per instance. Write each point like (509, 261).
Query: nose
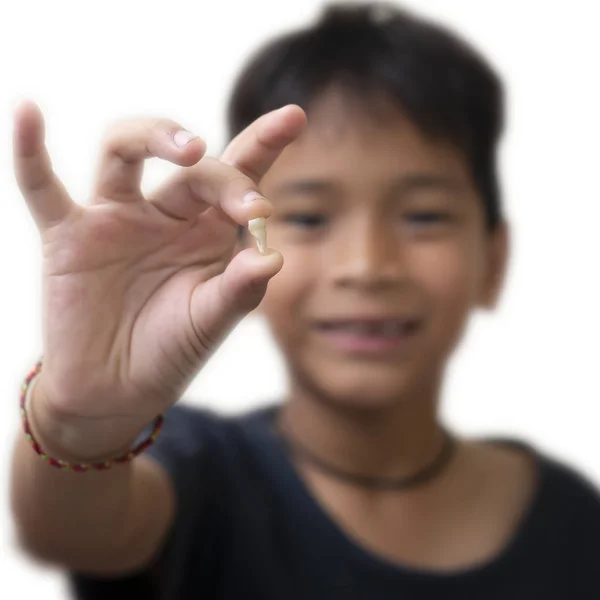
(368, 254)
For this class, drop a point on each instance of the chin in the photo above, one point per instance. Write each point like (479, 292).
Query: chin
(365, 389)
(368, 399)
(365, 405)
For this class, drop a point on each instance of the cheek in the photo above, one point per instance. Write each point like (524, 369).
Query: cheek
(449, 273)
(448, 280)
(284, 301)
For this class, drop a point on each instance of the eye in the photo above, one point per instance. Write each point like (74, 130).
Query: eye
(305, 220)
(425, 218)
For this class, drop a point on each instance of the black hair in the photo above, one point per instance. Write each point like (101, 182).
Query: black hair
(443, 85)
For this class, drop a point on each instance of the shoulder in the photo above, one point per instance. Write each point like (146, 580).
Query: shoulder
(187, 429)
(186, 435)
(568, 511)
(552, 501)
(558, 484)
(195, 438)
(569, 490)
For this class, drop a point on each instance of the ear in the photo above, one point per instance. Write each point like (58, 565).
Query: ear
(496, 267)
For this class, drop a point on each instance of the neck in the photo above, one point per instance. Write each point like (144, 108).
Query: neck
(393, 442)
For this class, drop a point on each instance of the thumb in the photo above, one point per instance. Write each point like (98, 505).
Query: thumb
(219, 304)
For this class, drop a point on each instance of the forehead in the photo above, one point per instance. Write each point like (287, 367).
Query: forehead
(347, 143)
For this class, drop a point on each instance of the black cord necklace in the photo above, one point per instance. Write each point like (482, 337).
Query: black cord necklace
(428, 473)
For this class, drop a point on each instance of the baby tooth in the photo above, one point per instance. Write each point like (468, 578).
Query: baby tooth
(258, 230)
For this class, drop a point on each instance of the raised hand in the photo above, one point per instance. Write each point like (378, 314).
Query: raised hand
(138, 292)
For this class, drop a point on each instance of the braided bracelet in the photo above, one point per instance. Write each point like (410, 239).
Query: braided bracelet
(73, 466)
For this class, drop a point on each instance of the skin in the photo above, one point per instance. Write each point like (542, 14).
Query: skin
(359, 234)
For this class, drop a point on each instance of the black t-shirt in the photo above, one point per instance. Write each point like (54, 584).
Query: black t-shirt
(248, 528)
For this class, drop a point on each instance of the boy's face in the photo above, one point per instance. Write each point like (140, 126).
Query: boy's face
(386, 253)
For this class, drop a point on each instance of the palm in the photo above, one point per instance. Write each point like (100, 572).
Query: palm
(119, 282)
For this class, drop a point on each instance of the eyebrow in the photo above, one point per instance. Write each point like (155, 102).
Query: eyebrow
(417, 181)
(401, 184)
(304, 186)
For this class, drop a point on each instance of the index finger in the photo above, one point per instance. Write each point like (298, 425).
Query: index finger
(256, 148)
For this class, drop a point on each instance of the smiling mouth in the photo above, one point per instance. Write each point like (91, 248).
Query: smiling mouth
(369, 336)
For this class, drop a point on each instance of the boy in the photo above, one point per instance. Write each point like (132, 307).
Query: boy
(386, 208)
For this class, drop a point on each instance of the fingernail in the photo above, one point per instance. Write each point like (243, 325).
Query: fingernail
(183, 138)
(251, 197)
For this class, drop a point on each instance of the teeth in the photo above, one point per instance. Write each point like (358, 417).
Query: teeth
(392, 329)
(385, 328)
(258, 230)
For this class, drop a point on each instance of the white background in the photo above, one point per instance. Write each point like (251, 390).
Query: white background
(529, 370)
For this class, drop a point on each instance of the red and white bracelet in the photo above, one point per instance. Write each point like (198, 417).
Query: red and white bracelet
(75, 466)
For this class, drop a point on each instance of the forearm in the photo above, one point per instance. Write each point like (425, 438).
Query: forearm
(65, 517)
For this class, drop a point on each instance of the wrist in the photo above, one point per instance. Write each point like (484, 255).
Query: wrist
(73, 438)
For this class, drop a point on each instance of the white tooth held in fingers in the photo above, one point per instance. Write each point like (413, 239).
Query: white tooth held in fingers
(258, 230)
